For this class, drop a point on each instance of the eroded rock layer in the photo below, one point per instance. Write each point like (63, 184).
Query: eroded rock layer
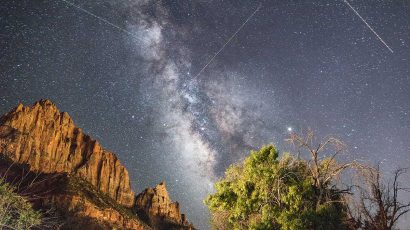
(49, 142)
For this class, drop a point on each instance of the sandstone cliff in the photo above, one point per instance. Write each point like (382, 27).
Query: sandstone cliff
(155, 202)
(47, 141)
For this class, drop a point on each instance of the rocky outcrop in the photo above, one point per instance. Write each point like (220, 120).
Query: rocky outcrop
(86, 183)
(155, 202)
(49, 142)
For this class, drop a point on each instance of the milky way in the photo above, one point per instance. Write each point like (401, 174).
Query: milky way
(292, 66)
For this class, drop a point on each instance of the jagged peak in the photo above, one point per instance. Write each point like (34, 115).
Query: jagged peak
(53, 143)
(43, 106)
(45, 102)
(156, 202)
(162, 184)
(19, 107)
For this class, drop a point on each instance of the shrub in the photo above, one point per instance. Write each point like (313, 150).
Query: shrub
(15, 211)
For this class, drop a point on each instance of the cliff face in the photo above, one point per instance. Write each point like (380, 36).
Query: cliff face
(73, 202)
(47, 141)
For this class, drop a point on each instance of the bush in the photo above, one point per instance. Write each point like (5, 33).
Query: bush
(15, 211)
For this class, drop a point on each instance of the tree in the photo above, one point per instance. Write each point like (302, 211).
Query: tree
(305, 191)
(266, 191)
(323, 166)
(377, 205)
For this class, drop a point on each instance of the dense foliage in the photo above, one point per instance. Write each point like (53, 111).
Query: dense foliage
(15, 211)
(266, 191)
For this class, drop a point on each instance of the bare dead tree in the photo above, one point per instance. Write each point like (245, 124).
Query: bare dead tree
(378, 206)
(323, 162)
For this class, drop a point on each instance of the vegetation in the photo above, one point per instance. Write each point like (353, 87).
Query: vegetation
(268, 191)
(15, 211)
(377, 205)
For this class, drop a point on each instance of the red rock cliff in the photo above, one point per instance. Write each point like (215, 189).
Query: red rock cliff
(46, 140)
(49, 142)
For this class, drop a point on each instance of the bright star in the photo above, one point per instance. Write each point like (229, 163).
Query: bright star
(289, 129)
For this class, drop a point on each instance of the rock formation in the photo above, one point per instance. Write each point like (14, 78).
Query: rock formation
(156, 203)
(47, 141)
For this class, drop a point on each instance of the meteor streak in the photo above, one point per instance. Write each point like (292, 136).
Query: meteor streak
(99, 18)
(227, 42)
(384, 43)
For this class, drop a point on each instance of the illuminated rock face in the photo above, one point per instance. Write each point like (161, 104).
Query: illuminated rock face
(49, 142)
(156, 203)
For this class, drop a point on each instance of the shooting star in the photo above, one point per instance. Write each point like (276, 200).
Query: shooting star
(368, 26)
(227, 42)
(99, 18)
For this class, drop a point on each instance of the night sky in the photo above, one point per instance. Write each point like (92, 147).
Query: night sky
(128, 76)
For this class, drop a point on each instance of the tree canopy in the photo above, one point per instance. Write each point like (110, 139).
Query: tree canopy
(268, 191)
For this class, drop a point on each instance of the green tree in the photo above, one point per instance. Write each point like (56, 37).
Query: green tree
(15, 211)
(266, 191)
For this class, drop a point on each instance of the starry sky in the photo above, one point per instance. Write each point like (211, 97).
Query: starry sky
(127, 72)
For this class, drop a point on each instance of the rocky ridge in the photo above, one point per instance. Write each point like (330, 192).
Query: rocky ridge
(47, 141)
